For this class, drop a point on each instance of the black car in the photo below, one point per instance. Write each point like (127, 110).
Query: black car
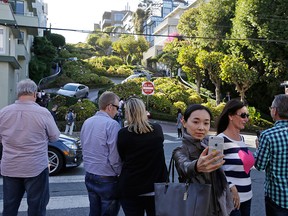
(65, 152)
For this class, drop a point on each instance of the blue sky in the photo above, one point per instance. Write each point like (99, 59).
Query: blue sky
(81, 15)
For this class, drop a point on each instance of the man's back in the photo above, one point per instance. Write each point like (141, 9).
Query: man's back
(273, 153)
(271, 156)
(100, 156)
(98, 138)
(23, 129)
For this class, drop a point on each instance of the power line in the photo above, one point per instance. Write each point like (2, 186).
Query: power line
(151, 35)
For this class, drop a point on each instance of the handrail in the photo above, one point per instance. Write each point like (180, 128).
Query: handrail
(193, 87)
(46, 80)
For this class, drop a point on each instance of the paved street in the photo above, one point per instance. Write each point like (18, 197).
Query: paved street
(69, 196)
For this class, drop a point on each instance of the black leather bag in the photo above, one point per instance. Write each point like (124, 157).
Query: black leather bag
(181, 199)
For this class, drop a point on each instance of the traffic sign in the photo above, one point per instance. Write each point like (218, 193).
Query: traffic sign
(147, 88)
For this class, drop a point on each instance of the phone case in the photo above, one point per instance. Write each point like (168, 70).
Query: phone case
(216, 144)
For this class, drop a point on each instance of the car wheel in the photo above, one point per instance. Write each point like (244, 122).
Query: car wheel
(86, 95)
(56, 161)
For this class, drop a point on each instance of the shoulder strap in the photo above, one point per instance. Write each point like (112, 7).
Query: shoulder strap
(171, 168)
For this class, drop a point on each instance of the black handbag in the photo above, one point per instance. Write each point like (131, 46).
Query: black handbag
(181, 199)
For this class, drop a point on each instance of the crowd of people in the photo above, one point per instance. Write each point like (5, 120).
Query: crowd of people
(123, 160)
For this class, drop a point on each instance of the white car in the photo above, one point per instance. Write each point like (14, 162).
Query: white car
(74, 90)
(137, 75)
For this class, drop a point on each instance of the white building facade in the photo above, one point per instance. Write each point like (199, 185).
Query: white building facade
(19, 24)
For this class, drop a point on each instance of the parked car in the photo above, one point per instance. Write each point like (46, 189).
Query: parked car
(137, 75)
(74, 90)
(65, 152)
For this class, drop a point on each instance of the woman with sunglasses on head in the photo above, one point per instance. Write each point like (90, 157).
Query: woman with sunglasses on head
(238, 159)
(140, 146)
(194, 164)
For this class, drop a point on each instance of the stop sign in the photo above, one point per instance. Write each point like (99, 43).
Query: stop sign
(147, 88)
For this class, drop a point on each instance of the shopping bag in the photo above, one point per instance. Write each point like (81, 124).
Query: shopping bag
(181, 199)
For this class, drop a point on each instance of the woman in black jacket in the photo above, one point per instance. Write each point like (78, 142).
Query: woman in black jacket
(193, 162)
(140, 146)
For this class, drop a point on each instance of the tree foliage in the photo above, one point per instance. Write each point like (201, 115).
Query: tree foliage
(266, 20)
(214, 23)
(236, 71)
(170, 54)
(138, 18)
(130, 49)
(41, 64)
(187, 56)
(188, 22)
(100, 42)
(57, 40)
(210, 62)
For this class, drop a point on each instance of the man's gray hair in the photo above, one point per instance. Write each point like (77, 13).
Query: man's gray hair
(26, 87)
(280, 102)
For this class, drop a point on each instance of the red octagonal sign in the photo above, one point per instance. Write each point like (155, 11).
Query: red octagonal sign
(147, 88)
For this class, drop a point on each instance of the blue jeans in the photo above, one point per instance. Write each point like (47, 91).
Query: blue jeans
(37, 189)
(272, 209)
(136, 206)
(102, 193)
(244, 209)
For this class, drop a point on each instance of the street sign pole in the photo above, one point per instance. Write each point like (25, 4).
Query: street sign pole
(147, 89)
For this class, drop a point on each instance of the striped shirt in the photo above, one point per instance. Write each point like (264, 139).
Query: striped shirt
(238, 162)
(272, 156)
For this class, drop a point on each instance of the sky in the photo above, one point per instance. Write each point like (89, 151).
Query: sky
(81, 15)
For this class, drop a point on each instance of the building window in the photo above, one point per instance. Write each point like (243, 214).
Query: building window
(118, 17)
(1, 40)
(21, 40)
(17, 6)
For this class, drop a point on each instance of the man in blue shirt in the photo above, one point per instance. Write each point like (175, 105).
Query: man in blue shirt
(100, 156)
(272, 156)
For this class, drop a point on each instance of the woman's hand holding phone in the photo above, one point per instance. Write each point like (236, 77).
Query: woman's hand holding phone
(209, 162)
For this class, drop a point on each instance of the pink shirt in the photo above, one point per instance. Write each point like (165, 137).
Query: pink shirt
(25, 129)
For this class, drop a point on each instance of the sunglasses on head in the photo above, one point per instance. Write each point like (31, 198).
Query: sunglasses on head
(243, 115)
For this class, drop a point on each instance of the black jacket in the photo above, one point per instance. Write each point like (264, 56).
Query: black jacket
(186, 156)
(143, 161)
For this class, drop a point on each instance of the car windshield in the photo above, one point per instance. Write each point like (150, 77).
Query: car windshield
(70, 87)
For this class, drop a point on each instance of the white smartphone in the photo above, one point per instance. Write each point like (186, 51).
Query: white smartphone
(216, 144)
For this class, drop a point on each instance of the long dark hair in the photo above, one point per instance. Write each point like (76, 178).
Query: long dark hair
(230, 109)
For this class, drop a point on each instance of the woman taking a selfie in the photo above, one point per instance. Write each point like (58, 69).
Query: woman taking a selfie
(193, 163)
(238, 159)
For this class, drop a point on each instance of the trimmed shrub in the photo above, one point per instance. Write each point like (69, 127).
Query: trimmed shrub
(178, 105)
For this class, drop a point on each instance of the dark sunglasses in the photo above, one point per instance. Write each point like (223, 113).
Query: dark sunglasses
(117, 107)
(243, 115)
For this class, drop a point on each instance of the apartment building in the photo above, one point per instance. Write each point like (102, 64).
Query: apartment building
(112, 18)
(19, 24)
(166, 25)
